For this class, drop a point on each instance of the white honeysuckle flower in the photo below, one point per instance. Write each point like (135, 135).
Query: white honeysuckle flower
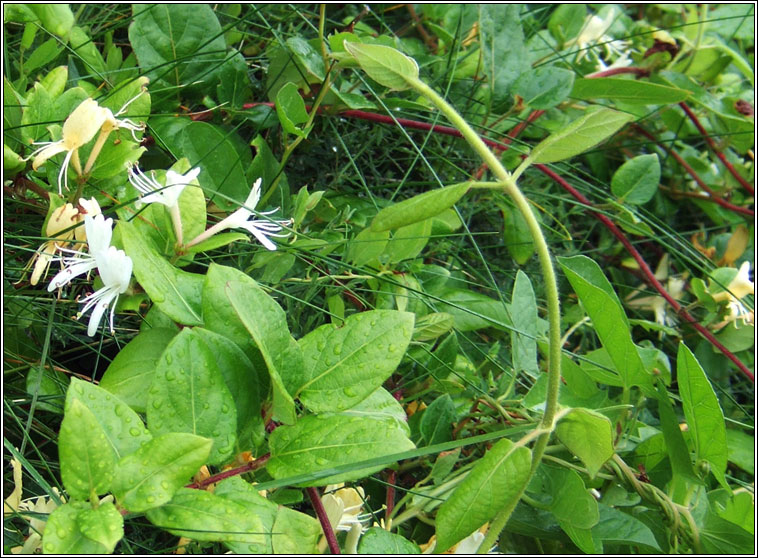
(343, 507)
(99, 233)
(261, 229)
(594, 33)
(154, 192)
(657, 304)
(115, 269)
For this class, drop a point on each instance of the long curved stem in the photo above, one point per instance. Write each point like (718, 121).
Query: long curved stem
(548, 271)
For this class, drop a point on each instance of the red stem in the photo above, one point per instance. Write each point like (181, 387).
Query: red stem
(246, 468)
(640, 72)
(390, 496)
(712, 144)
(714, 197)
(649, 275)
(331, 539)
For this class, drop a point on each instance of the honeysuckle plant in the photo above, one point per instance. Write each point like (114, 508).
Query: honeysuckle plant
(362, 349)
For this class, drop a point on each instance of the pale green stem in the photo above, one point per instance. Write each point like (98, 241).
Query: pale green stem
(176, 217)
(96, 150)
(548, 272)
(218, 227)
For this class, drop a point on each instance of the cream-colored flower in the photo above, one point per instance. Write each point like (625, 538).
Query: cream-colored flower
(64, 226)
(343, 506)
(738, 288)
(657, 304)
(594, 33)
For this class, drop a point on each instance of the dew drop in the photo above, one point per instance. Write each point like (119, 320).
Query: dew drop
(119, 410)
(168, 358)
(224, 408)
(320, 345)
(373, 323)
(156, 404)
(134, 431)
(321, 461)
(337, 349)
(206, 405)
(391, 348)
(349, 391)
(170, 376)
(150, 499)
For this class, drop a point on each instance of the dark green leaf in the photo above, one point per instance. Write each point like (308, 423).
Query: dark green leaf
(636, 181)
(504, 55)
(380, 541)
(290, 108)
(524, 332)
(544, 87)
(437, 421)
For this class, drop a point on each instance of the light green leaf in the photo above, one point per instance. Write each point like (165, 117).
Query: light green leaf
(149, 477)
(381, 405)
(295, 533)
(385, 65)
(103, 524)
(290, 108)
(518, 239)
(629, 91)
(218, 312)
(188, 394)
(579, 136)
(675, 446)
(571, 504)
(56, 18)
(63, 534)
(366, 247)
(266, 322)
(203, 516)
(608, 317)
(472, 310)
(86, 51)
(216, 241)
(432, 326)
(524, 332)
(319, 442)
(407, 242)
(87, 459)
(122, 427)
(496, 481)
(133, 367)
(378, 541)
(345, 365)
(418, 208)
(741, 449)
(589, 436)
(618, 527)
(636, 181)
(703, 413)
(177, 293)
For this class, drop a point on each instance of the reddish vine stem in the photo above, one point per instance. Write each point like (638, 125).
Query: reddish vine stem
(639, 72)
(391, 477)
(712, 144)
(246, 468)
(648, 273)
(318, 507)
(714, 197)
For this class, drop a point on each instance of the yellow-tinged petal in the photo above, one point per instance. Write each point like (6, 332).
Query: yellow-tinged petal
(83, 124)
(46, 152)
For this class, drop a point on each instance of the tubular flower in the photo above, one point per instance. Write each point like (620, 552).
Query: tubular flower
(113, 266)
(259, 228)
(64, 218)
(153, 192)
(78, 130)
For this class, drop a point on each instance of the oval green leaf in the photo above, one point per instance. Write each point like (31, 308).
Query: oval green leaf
(63, 535)
(636, 181)
(385, 65)
(495, 482)
(344, 365)
(579, 136)
(188, 394)
(589, 436)
(627, 90)
(418, 208)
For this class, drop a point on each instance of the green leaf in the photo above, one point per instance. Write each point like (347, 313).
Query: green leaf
(518, 239)
(636, 181)
(589, 436)
(218, 313)
(55, 18)
(234, 85)
(567, 21)
(177, 44)
(87, 458)
(380, 405)
(103, 524)
(122, 427)
(63, 534)
(203, 516)
(290, 108)
(741, 450)
(608, 317)
(86, 50)
(629, 91)
(319, 442)
(407, 242)
(149, 477)
(418, 208)
(432, 326)
(437, 420)
(38, 110)
(295, 533)
(496, 481)
(217, 241)
(571, 504)
(43, 55)
(188, 394)
(266, 322)
(385, 65)
(504, 55)
(366, 247)
(722, 537)
(472, 310)
(344, 365)
(618, 527)
(544, 87)
(703, 413)
(579, 136)
(240, 377)
(378, 541)
(524, 332)
(177, 293)
(133, 367)
(675, 446)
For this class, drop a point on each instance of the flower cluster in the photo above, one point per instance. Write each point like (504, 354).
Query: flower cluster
(739, 287)
(79, 129)
(113, 266)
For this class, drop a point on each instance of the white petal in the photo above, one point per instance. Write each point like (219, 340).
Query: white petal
(65, 276)
(260, 235)
(99, 233)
